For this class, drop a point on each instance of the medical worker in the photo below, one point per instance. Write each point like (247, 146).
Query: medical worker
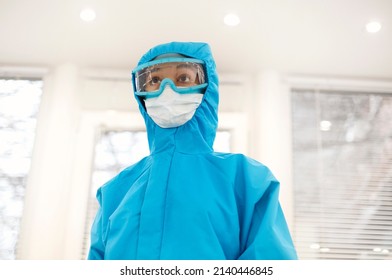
(185, 201)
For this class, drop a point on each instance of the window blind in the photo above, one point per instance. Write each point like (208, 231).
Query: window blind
(342, 168)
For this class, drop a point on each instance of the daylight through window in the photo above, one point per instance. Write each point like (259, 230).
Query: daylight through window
(19, 102)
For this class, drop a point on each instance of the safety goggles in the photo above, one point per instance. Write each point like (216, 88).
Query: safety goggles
(184, 75)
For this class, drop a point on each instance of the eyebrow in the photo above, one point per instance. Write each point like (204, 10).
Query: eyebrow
(156, 68)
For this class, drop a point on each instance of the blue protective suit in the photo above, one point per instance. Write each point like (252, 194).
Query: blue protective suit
(185, 201)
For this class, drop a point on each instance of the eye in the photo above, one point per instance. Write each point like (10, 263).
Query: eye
(155, 80)
(184, 78)
(152, 83)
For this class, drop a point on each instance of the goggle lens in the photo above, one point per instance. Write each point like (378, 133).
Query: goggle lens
(185, 73)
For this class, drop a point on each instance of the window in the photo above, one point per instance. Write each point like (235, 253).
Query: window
(342, 150)
(115, 150)
(19, 102)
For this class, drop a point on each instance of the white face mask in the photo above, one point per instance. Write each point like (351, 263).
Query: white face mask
(171, 109)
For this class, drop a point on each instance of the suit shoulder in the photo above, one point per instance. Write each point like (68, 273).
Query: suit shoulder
(239, 158)
(128, 174)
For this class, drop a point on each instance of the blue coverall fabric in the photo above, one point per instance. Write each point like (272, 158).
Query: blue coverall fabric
(185, 201)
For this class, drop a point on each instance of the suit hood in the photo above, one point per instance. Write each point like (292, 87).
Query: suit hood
(198, 134)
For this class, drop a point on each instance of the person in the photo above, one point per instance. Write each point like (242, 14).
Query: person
(184, 201)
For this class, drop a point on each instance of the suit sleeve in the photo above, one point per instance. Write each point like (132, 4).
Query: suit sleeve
(97, 246)
(266, 235)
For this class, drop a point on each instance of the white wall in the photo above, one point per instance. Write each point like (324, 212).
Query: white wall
(76, 101)
(47, 191)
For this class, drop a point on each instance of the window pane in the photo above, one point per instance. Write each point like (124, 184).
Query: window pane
(19, 102)
(342, 144)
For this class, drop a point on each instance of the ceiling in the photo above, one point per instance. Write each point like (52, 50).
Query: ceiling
(316, 37)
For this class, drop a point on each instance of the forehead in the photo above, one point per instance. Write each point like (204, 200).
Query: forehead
(171, 66)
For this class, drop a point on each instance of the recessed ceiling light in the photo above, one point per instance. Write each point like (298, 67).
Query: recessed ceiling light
(373, 27)
(231, 20)
(325, 125)
(87, 15)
